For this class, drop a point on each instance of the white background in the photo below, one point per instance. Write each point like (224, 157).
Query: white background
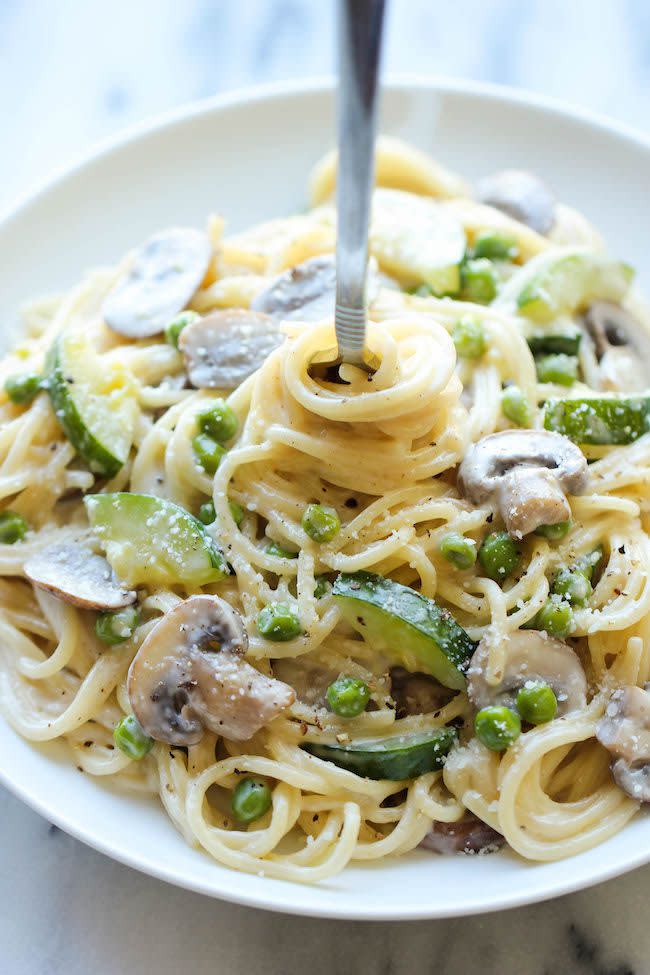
(73, 72)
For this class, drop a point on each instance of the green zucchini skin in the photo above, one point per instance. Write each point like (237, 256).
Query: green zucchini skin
(148, 537)
(391, 758)
(615, 421)
(570, 281)
(411, 626)
(99, 459)
(551, 344)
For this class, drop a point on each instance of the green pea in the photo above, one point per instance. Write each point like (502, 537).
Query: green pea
(557, 368)
(131, 739)
(176, 326)
(23, 387)
(572, 585)
(555, 617)
(469, 338)
(278, 622)
(323, 587)
(497, 727)
(251, 799)
(207, 514)
(321, 523)
(479, 281)
(207, 452)
(237, 512)
(458, 550)
(348, 696)
(498, 555)
(515, 406)
(114, 628)
(591, 564)
(13, 527)
(495, 246)
(273, 548)
(536, 702)
(554, 532)
(219, 421)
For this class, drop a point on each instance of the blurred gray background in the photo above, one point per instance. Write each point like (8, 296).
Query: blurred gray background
(73, 72)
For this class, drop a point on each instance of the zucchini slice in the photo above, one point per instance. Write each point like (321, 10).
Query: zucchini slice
(150, 541)
(555, 284)
(95, 405)
(563, 342)
(410, 627)
(605, 420)
(417, 240)
(395, 758)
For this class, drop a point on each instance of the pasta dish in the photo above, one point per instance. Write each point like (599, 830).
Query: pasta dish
(334, 617)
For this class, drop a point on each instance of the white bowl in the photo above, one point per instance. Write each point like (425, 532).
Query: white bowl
(248, 156)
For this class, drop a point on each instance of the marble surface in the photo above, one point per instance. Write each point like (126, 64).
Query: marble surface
(74, 72)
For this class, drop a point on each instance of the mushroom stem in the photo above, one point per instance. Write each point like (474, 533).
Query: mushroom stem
(519, 500)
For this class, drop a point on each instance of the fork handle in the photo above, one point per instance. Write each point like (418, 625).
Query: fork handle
(360, 24)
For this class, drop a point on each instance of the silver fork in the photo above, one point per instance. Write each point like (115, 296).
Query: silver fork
(360, 24)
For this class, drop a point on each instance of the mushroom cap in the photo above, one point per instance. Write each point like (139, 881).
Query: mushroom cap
(76, 574)
(163, 275)
(527, 473)
(621, 346)
(521, 195)
(307, 292)
(469, 835)
(530, 656)
(226, 347)
(624, 730)
(189, 675)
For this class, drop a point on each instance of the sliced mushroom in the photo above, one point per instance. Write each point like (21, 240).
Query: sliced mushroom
(74, 573)
(624, 730)
(417, 693)
(527, 473)
(469, 835)
(522, 195)
(621, 346)
(226, 347)
(160, 281)
(307, 292)
(529, 656)
(189, 675)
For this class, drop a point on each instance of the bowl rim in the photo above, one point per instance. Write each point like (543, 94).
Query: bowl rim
(158, 124)
(317, 84)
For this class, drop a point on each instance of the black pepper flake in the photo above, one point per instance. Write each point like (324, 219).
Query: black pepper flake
(351, 503)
